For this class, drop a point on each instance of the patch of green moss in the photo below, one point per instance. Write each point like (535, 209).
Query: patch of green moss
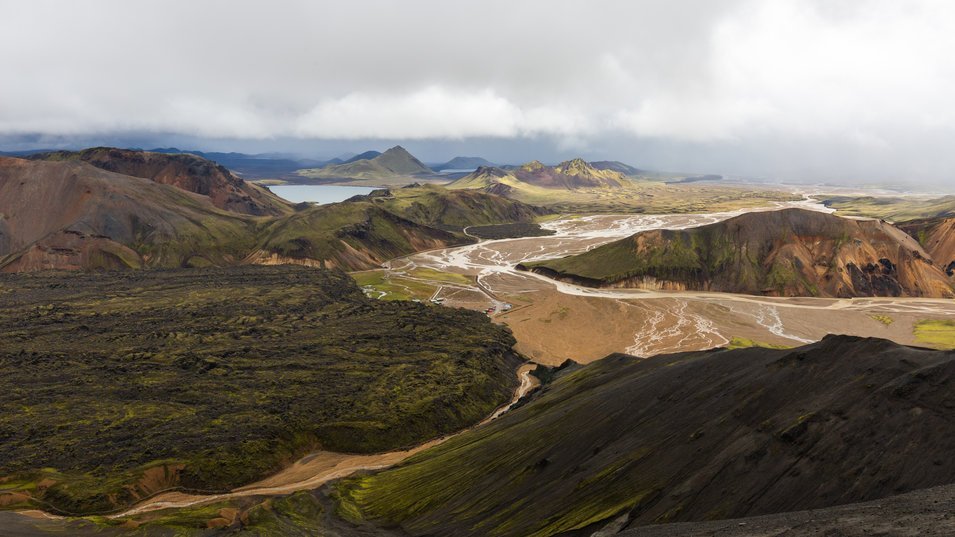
(936, 333)
(745, 343)
(228, 373)
(385, 285)
(884, 319)
(780, 277)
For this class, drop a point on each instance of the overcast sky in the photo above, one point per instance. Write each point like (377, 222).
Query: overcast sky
(822, 90)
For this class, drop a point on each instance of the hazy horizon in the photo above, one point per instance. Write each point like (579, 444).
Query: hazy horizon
(799, 91)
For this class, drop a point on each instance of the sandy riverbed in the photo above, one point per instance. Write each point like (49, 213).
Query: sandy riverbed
(554, 321)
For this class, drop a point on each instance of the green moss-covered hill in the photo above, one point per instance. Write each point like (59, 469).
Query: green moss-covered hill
(116, 385)
(351, 235)
(568, 175)
(395, 163)
(791, 252)
(683, 437)
(119, 209)
(453, 210)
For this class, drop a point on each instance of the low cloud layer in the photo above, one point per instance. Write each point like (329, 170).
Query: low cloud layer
(815, 88)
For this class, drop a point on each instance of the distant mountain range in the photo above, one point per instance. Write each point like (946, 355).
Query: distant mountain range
(463, 163)
(395, 164)
(617, 166)
(259, 166)
(792, 252)
(393, 167)
(107, 208)
(367, 155)
(568, 175)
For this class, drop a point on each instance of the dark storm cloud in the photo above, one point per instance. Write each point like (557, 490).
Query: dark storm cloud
(749, 86)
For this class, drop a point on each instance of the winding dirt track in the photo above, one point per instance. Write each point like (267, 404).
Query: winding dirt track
(318, 468)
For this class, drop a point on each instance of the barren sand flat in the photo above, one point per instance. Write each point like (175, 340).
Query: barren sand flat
(555, 327)
(554, 321)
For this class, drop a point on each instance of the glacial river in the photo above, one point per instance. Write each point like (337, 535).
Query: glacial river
(555, 320)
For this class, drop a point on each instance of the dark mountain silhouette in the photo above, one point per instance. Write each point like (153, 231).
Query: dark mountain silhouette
(616, 166)
(683, 437)
(367, 155)
(463, 163)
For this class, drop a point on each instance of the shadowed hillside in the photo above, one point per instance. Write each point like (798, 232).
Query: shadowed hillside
(617, 166)
(463, 163)
(367, 155)
(683, 437)
(791, 252)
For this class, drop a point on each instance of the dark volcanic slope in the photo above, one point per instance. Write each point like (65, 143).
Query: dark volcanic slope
(117, 385)
(617, 166)
(684, 437)
(188, 172)
(792, 252)
(923, 512)
(464, 163)
(367, 155)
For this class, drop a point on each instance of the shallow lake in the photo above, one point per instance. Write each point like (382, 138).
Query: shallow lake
(318, 193)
